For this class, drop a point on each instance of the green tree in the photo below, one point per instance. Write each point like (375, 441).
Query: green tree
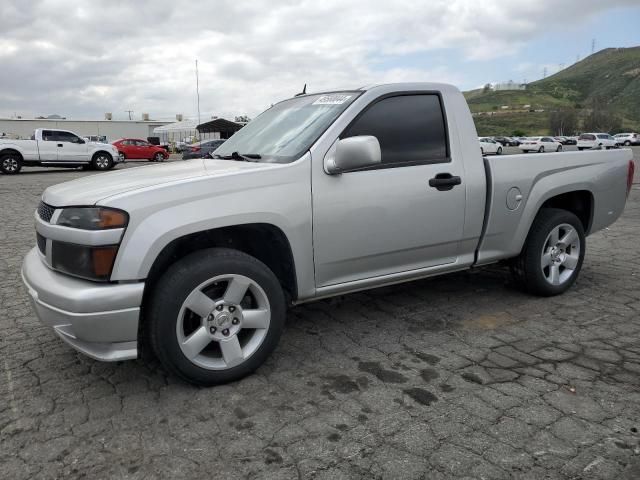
(601, 118)
(518, 133)
(563, 121)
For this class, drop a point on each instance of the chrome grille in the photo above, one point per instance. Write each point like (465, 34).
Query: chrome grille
(45, 212)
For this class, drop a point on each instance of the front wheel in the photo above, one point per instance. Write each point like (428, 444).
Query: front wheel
(10, 163)
(499, 151)
(559, 149)
(215, 316)
(627, 143)
(552, 255)
(541, 150)
(158, 157)
(102, 161)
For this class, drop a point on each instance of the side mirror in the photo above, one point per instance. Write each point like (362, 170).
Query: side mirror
(353, 153)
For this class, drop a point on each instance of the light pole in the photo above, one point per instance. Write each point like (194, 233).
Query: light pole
(198, 91)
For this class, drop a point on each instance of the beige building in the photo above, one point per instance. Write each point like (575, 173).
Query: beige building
(112, 129)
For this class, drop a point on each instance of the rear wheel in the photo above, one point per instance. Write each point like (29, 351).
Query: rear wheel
(102, 161)
(122, 156)
(482, 150)
(215, 316)
(580, 149)
(158, 157)
(499, 151)
(541, 149)
(627, 143)
(552, 255)
(10, 163)
(559, 149)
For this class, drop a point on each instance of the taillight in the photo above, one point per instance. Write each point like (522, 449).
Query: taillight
(632, 168)
(195, 149)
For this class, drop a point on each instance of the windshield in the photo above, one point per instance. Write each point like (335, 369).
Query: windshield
(287, 130)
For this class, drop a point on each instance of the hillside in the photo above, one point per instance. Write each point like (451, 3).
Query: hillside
(608, 79)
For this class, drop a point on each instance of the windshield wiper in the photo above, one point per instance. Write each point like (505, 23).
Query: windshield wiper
(246, 157)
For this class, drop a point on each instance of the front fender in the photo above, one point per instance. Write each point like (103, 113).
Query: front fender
(279, 196)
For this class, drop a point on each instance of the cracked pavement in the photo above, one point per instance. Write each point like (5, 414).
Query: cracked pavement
(460, 376)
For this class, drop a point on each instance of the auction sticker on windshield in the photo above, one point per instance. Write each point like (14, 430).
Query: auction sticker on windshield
(334, 99)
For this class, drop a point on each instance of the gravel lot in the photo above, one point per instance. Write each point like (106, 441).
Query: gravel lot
(459, 376)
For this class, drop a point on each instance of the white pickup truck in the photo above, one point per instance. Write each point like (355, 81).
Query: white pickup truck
(55, 148)
(321, 195)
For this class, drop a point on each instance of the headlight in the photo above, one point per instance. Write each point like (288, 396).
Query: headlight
(93, 218)
(86, 261)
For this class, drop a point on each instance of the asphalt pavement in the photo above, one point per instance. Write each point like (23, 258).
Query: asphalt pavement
(461, 376)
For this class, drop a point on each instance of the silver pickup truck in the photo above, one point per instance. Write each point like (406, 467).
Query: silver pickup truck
(321, 195)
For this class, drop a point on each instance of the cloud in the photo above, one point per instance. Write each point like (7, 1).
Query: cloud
(81, 59)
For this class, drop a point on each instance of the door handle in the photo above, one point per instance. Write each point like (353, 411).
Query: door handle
(60, 145)
(444, 181)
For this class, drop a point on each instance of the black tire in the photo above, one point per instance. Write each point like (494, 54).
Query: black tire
(627, 143)
(102, 161)
(158, 157)
(481, 151)
(580, 149)
(559, 149)
(499, 151)
(123, 157)
(179, 281)
(541, 149)
(526, 268)
(10, 163)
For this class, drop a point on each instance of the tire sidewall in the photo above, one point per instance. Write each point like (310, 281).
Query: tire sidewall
(8, 156)
(546, 221)
(95, 162)
(179, 281)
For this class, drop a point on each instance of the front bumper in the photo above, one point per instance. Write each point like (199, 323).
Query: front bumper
(99, 320)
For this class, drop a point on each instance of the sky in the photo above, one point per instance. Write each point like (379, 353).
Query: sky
(80, 59)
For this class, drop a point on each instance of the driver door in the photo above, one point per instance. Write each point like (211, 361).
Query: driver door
(71, 148)
(388, 219)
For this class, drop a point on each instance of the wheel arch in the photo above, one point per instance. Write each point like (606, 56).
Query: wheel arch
(578, 202)
(97, 152)
(6, 151)
(264, 241)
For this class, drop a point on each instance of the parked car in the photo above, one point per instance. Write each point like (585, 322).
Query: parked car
(596, 140)
(199, 260)
(540, 145)
(55, 148)
(201, 149)
(489, 145)
(136, 149)
(627, 139)
(507, 141)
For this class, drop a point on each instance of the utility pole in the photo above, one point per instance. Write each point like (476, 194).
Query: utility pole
(129, 112)
(593, 46)
(544, 73)
(198, 90)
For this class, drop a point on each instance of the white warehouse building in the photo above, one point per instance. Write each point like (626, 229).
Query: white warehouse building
(112, 129)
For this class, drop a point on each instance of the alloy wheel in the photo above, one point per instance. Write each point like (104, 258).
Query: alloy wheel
(10, 165)
(560, 254)
(223, 321)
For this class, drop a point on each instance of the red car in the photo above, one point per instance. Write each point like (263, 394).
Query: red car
(135, 149)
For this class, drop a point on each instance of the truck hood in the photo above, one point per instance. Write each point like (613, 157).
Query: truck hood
(90, 190)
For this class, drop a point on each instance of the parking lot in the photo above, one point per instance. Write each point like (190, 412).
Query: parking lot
(461, 376)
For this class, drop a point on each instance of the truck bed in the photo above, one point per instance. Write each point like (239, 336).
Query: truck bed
(599, 174)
